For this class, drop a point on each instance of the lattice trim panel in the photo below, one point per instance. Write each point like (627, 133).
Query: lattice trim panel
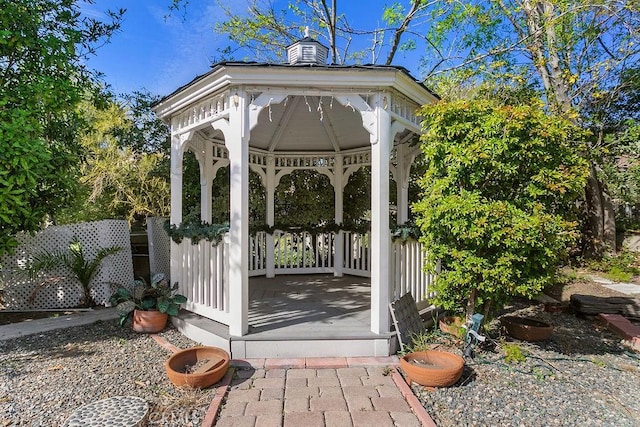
(59, 288)
(159, 246)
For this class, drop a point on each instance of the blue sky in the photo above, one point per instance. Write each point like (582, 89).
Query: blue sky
(152, 51)
(160, 54)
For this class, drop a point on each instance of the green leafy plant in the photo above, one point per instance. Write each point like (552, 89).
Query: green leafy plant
(156, 294)
(498, 194)
(44, 45)
(76, 261)
(513, 353)
(196, 230)
(620, 268)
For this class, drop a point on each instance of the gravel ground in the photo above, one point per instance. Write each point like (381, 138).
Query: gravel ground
(45, 377)
(581, 376)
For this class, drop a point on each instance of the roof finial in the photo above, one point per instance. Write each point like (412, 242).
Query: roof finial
(306, 31)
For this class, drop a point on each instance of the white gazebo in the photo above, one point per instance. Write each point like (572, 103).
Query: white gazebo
(275, 119)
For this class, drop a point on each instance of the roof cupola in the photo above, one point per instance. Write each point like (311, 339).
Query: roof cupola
(307, 51)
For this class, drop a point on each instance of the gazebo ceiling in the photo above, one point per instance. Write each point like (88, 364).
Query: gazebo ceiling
(306, 124)
(309, 123)
(306, 114)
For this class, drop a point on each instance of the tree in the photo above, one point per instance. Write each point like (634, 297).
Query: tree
(498, 183)
(265, 29)
(575, 50)
(43, 79)
(570, 51)
(614, 119)
(125, 169)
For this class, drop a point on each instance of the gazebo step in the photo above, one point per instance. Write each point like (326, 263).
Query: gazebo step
(202, 330)
(336, 341)
(311, 347)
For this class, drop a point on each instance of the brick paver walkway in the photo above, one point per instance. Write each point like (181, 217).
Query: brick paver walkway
(310, 397)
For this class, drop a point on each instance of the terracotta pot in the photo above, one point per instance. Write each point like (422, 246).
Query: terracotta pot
(452, 325)
(178, 363)
(149, 321)
(432, 368)
(556, 307)
(526, 329)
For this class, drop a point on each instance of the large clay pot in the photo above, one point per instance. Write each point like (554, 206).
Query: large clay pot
(526, 329)
(178, 363)
(149, 321)
(432, 368)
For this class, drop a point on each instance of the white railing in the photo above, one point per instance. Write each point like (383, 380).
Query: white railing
(408, 270)
(303, 253)
(357, 254)
(205, 267)
(258, 254)
(204, 281)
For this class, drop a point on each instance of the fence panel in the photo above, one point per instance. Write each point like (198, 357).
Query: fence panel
(357, 254)
(58, 288)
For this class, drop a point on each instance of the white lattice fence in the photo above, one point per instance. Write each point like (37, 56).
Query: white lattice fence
(62, 290)
(159, 247)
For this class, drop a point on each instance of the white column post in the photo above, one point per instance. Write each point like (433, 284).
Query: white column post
(338, 190)
(237, 142)
(402, 185)
(206, 182)
(380, 237)
(177, 154)
(270, 191)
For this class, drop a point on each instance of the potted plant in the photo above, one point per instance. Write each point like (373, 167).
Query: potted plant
(151, 303)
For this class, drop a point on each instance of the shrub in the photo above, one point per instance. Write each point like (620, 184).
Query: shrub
(497, 199)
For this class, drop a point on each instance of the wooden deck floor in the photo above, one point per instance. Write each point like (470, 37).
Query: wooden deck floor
(308, 306)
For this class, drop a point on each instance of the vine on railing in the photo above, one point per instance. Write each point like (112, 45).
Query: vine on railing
(405, 232)
(196, 230)
(361, 227)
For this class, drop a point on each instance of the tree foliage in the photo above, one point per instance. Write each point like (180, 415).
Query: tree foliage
(42, 81)
(264, 29)
(126, 166)
(575, 51)
(498, 183)
(614, 119)
(571, 52)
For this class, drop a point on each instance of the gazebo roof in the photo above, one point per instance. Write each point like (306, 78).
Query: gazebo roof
(265, 65)
(308, 118)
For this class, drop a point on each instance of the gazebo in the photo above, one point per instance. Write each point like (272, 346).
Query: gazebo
(275, 119)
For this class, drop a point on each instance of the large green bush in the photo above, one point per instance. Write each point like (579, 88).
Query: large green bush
(498, 197)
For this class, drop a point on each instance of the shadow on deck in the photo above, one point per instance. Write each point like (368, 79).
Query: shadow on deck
(299, 316)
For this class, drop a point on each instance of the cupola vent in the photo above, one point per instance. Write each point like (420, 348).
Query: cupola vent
(307, 51)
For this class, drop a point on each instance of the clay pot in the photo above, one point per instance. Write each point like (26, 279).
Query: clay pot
(526, 329)
(178, 363)
(432, 368)
(556, 307)
(452, 325)
(149, 321)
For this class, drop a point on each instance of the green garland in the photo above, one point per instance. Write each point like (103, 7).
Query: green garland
(361, 227)
(405, 232)
(197, 230)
